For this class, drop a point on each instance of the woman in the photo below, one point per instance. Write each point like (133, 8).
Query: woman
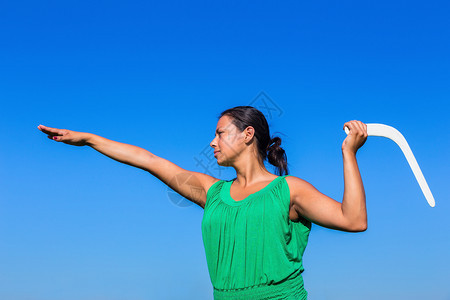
(255, 227)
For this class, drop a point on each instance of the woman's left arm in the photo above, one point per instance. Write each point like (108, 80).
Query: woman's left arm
(351, 214)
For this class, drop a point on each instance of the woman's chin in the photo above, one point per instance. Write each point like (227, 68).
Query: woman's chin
(221, 163)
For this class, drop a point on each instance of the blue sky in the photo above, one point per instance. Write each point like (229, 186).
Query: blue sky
(75, 224)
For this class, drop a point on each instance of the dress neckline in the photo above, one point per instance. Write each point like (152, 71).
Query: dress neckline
(229, 200)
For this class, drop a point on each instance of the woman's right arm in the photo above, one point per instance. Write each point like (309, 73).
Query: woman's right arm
(128, 154)
(189, 184)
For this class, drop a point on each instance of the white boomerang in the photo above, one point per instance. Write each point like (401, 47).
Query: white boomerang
(389, 132)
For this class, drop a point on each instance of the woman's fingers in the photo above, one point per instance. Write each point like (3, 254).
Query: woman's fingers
(47, 129)
(53, 133)
(361, 127)
(365, 127)
(50, 130)
(356, 126)
(350, 125)
(53, 137)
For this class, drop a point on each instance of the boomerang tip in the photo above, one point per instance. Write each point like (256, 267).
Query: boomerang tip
(431, 202)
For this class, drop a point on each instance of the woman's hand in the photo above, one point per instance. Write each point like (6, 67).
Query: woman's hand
(70, 137)
(356, 137)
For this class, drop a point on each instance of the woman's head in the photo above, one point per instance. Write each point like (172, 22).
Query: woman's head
(244, 128)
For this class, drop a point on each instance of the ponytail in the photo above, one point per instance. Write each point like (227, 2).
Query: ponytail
(277, 156)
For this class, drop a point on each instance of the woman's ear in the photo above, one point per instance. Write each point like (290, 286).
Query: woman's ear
(249, 133)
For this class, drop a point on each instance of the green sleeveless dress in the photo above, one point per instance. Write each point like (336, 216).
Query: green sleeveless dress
(253, 250)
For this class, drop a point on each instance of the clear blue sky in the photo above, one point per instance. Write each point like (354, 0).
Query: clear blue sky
(75, 224)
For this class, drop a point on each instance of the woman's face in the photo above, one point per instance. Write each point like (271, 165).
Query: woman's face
(228, 142)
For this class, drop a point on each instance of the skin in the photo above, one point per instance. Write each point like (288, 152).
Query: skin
(238, 150)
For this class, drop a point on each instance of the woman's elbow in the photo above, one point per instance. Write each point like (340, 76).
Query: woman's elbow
(358, 227)
(362, 227)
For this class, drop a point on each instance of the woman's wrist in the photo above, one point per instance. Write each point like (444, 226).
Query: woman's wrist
(348, 152)
(89, 138)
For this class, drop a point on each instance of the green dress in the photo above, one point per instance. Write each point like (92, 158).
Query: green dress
(253, 250)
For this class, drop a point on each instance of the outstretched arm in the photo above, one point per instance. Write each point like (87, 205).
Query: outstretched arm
(351, 214)
(192, 185)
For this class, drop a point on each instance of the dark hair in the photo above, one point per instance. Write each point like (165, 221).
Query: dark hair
(244, 116)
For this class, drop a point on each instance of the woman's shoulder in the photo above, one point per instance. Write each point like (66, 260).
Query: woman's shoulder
(297, 185)
(294, 180)
(212, 184)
